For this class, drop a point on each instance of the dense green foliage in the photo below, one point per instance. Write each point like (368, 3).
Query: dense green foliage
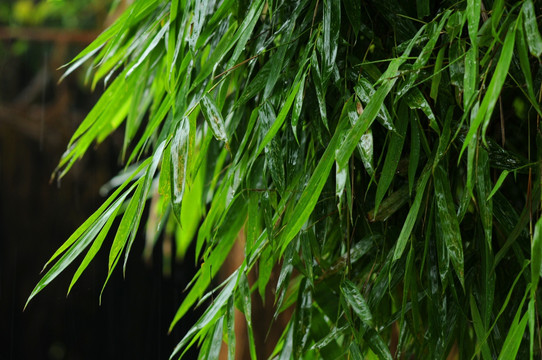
(382, 155)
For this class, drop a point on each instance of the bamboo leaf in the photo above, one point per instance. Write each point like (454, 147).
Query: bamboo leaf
(356, 301)
(393, 155)
(412, 215)
(483, 114)
(473, 19)
(448, 220)
(498, 184)
(365, 120)
(534, 39)
(331, 27)
(513, 339)
(76, 248)
(178, 162)
(277, 124)
(214, 119)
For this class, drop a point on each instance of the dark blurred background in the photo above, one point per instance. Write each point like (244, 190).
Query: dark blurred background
(37, 118)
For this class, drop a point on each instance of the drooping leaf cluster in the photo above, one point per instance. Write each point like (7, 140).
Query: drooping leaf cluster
(382, 156)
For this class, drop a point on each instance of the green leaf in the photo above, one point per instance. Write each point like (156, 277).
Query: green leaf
(356, 301)
(365, 91)
(536, 257)
(498, 184)
(448, 220)
(422, 8)
(494, 89)
(230, 328)
(483, 184)
(77, 247)
(178, 160)
(414, 156)
(247, 310)
(393, 156)
(309, 197)
(353, 12)
(331, 27)
(277, 124)
(215, 311)
(95, 247)
(434, 34)
(200, 10)
(214, 119)
(410, 220)
(126, 226)
(473, 19)
(513, 339)
(479, 328)
(531, 28)
(435, 82)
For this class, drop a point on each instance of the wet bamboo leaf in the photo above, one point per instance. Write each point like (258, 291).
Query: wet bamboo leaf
(159, 36)
(216, 340)
(233, 220)
(377, 344)
(331, 27)
(433, 33)
(531, 28)
(200, 9)
(356, 301)
(76, 248)
(320, 89)
(435, 82)
(422, 8)
(275, 164)
(246, 307)
(480, 330)
(178, 160)
(365, 91)
(365, 120)
(126, 226)
(443, 255)
(444, 139)
(499, 183)
(212, 314)
(494, 89)
(473, 19)
(457, 65)
(309, 197)
(513, 339)
(483, 186)
(366, 149)
(536, 257)
(298, 105)
(214, 119)
(393, 155)
(302, 318)
(416, 100)
(340, 180)
(277, 124)
(414, 156)
(525, 65)
(353, 12)
(390, 205)
(354, 352)
(471, 76)
(230, 328)
(448, 220)
(410, 220)
(95, 247)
